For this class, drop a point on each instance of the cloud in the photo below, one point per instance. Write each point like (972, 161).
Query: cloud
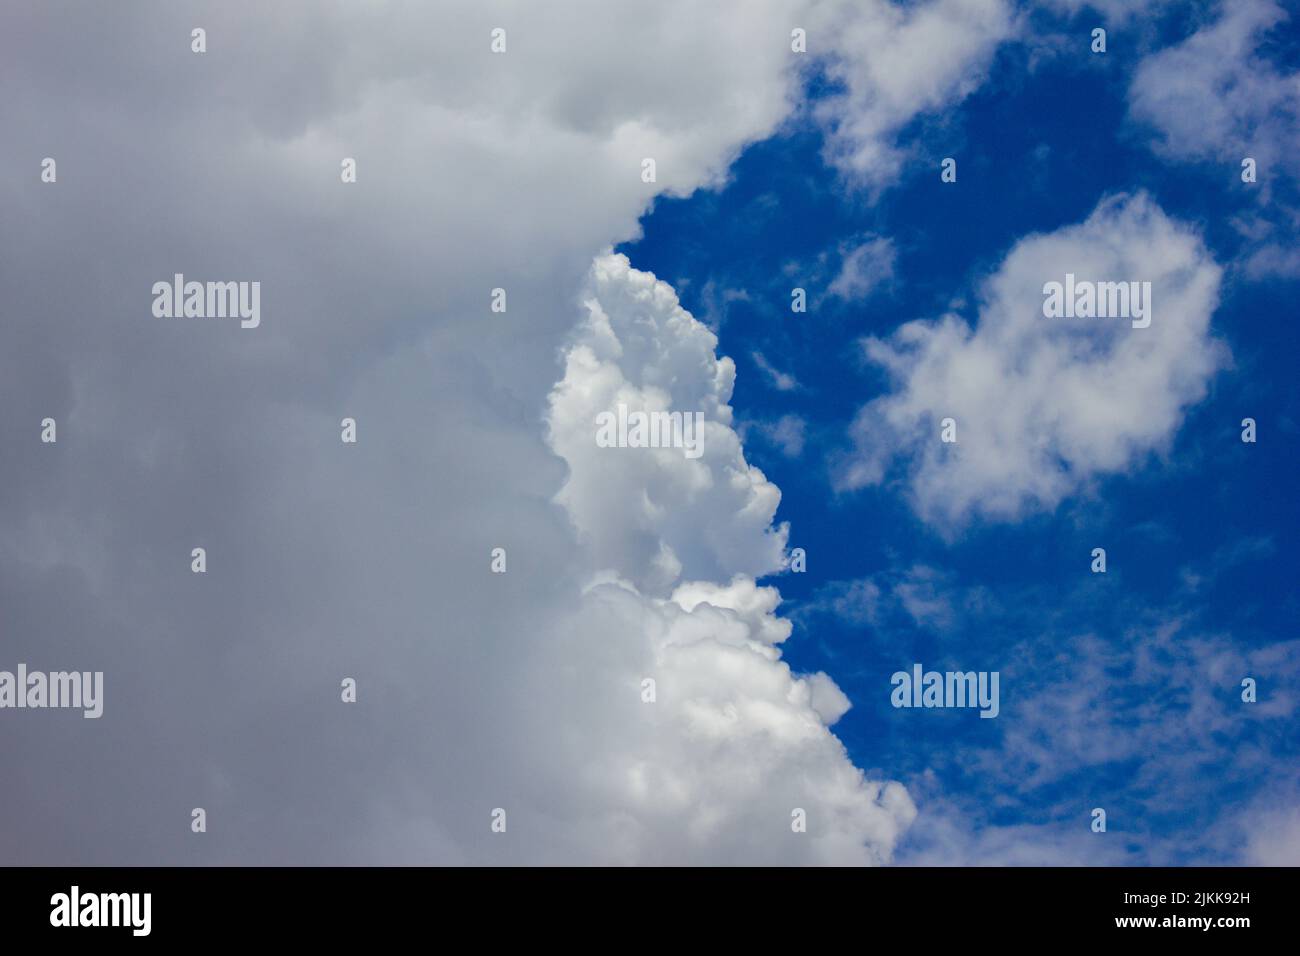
(734, 742)
(711, 771)
(1156, 705)
(1113, 11)
(943, 835)
(475, 690)
(892, 63)
(717, 302)
(856, 602)
(865, 264)
(1272, 259)
(1273, 839)
(788, 433)
(657, 513)
(1218, 97)
(779, 380)
(919, 596)
(1110, 698)
(1214, 97)
(1043, 405)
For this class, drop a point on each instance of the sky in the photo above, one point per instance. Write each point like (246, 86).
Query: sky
(501, 713)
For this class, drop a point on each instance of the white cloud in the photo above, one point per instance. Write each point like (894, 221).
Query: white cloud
(865, 264)
(943, 836)
(711, 771)
(781, 381)
(1118, 12)
(1273, 259)
(855, 602)
(1044, 405)
(1214, 97)
(788, 433)
(655, 513)
(1217, 97)
(734, 742)
(1171, 709)
(895, 62)
(1273, 839)
(717, 302)
(1120, 703)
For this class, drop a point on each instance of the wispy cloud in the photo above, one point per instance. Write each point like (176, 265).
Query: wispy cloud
(779, 380)
(865, 265)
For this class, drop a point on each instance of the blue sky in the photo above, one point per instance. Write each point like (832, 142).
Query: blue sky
(1119, 690)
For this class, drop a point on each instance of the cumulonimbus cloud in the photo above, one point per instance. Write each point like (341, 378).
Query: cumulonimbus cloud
(734, 743)
(655, 511)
